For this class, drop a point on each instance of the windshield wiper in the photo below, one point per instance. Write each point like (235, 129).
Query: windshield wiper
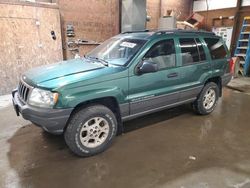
(102, 61)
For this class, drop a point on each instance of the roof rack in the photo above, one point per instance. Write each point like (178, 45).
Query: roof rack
(138, 31)
(157, 32)
(183, 31)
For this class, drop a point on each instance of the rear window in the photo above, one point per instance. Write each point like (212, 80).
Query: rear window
(216, 48)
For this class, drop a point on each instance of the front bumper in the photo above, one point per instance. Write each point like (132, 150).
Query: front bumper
(226, 78)
(51, 120)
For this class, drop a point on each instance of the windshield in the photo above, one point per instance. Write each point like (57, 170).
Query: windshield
(117, 51)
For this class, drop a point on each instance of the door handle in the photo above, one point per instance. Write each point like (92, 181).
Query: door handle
(171, 75)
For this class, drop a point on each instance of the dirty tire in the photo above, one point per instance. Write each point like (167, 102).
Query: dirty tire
(199, 106)
(79, 130)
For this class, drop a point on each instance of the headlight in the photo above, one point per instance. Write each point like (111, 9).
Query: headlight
(42, 98)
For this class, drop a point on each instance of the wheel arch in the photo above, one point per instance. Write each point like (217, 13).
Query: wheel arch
(218, 81)
(110, 102)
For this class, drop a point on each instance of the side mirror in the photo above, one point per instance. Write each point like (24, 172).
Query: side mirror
(147, 67)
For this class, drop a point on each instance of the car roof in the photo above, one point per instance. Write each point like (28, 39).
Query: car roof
(150, 34)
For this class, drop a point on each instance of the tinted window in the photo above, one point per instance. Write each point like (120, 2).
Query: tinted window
(162, 53)
(216, 48)
(189, 51)
(201, 50)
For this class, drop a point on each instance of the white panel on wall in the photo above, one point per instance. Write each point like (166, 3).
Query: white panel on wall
(245, 3)
(225, 33)
(201, 5)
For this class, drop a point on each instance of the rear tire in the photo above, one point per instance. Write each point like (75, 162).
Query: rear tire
(91, 130)
(207, 99)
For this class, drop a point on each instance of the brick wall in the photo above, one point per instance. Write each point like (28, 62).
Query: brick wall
(157, 8)
(95, 20)
(98, 20)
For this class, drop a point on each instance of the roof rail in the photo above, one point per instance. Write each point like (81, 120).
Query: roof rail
(157, 32)
(184, 31)
(138, 31)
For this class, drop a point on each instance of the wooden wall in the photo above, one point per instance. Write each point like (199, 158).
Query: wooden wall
(26, 41)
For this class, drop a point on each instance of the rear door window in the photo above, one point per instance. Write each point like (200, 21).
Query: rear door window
(201, 50)
(216, 48)
(189, 51)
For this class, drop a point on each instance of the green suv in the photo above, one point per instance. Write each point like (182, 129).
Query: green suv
(127, 76)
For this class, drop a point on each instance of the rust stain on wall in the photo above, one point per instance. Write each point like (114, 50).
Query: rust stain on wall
(26, 41)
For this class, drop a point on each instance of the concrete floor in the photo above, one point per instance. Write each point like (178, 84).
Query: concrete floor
(241, 84)
(171, 149)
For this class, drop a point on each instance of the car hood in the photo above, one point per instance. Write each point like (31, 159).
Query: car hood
(46, 73)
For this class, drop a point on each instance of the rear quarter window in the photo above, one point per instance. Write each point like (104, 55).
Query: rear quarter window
(216, 48)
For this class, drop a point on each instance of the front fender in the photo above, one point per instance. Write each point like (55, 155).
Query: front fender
(71, 97)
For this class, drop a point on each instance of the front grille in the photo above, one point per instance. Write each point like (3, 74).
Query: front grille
(23, 91)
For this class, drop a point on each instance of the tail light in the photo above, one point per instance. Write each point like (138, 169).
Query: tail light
(231, 65)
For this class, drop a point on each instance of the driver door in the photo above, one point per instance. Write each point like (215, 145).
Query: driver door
(155, 90)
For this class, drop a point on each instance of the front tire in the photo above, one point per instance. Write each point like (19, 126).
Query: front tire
(207, 99)
(91, 130)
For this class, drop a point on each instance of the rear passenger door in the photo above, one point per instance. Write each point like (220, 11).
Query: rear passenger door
(195, 67)
(218, 54)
